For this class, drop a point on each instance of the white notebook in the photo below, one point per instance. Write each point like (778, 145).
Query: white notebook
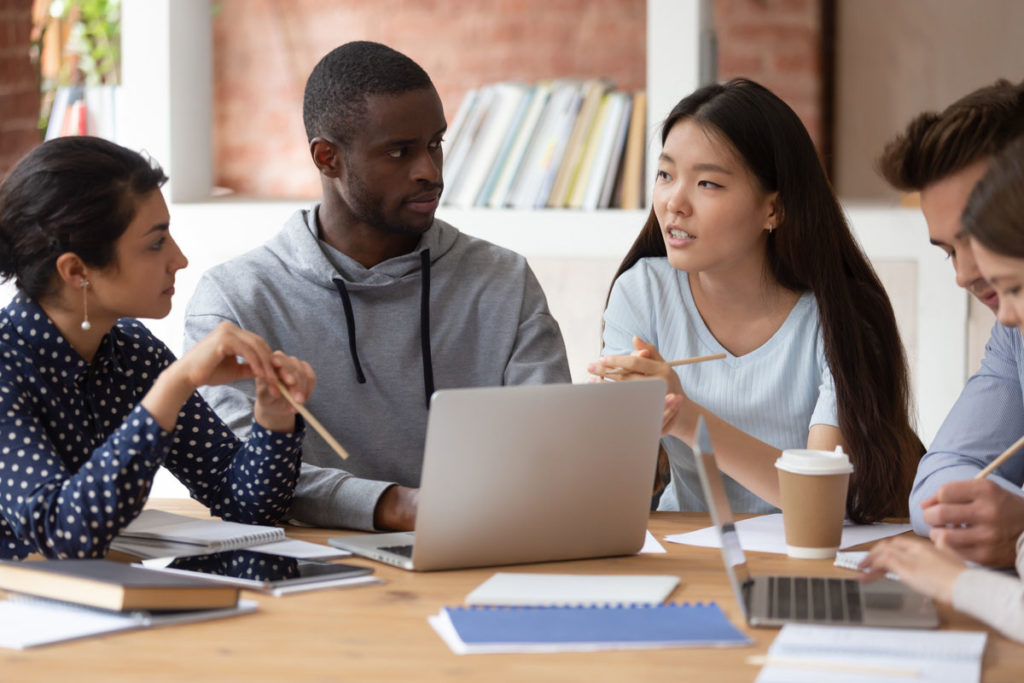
(29, 622)
(507, 588)
(155, 533)
(805, 653)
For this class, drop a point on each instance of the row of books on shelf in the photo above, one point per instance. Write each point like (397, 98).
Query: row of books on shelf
(564, 143)
(84, 110)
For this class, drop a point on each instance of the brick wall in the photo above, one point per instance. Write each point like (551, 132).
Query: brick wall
(19, 84)
(778, 44)
(263, 52)
(265, 49)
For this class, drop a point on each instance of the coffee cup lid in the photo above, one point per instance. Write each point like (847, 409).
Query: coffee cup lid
(808, 461)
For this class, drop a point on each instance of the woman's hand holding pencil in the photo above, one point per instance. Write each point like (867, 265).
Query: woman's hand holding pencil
(645, 361)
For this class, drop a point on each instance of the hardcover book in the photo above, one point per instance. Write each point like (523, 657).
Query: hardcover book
(113, 585)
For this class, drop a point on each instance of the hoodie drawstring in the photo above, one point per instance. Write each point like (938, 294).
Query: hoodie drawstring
(350, 321)
(428, 367)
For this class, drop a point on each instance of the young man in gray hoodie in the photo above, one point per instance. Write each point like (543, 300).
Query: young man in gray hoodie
(386, 302)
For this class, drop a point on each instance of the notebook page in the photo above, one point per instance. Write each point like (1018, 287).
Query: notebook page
(810, 653)
(28, 623)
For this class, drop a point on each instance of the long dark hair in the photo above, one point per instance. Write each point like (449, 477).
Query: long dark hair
(994, 215)
(812, 249)
(76, 194)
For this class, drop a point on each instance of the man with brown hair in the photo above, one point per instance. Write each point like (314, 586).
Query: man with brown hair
(942, 156)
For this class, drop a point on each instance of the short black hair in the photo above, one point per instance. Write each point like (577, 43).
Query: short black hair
(335, 98)
(71, 194)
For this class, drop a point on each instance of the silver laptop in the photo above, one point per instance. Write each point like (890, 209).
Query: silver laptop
(777, 600)
(530, 474)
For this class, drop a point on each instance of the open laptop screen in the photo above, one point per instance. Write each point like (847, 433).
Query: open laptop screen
(721, 513)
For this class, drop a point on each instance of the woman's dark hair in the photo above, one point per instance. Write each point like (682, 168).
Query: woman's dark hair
(812, 249)
(72, 194)
(994, 215)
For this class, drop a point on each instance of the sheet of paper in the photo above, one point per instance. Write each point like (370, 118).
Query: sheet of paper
(851, 559)
(651, 545)
(765, 534)
(803, 653)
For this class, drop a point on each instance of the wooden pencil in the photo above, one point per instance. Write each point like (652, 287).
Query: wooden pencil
(696, 359)
(675, 363)
(313, 422)
(1001, 459)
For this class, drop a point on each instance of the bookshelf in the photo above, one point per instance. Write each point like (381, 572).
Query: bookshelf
(167, 75)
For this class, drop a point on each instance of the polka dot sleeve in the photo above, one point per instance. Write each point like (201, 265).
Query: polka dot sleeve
(78, 452)
(50, 509)
(251, 481)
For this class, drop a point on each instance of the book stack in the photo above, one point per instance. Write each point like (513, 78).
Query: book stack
(562, 143)
(59, 600)
(88, 110)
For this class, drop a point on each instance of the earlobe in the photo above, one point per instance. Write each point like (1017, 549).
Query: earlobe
(326, 155)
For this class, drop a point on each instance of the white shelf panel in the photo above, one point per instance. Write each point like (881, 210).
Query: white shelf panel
(552, 232)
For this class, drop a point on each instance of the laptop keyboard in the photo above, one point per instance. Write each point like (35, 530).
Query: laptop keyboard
(403, 550)
(798, 598)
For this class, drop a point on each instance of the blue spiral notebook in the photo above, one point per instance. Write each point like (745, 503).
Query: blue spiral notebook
(480, 630)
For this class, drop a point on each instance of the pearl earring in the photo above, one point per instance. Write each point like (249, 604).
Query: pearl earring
(86, 325)
(771, 227)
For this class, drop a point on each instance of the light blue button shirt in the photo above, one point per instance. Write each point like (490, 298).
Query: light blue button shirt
(986, 418)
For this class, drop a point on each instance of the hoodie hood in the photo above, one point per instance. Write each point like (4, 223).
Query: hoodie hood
(306, 254)
(348, 275)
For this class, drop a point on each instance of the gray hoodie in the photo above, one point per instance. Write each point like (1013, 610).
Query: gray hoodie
(455, 312)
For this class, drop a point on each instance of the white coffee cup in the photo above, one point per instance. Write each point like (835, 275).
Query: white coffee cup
(812, 487)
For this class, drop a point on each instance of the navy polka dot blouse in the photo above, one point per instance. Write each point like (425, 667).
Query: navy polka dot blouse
(78, 453)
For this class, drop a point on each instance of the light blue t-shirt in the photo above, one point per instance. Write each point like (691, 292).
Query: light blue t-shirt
(774, 393)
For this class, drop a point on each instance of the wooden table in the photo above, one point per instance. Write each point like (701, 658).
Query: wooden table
(381, 632)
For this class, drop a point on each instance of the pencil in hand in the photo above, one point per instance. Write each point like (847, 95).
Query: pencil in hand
(1003, 457)
(676, 363)
(313, 422)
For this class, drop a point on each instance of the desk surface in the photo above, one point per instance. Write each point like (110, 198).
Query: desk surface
(381, 632)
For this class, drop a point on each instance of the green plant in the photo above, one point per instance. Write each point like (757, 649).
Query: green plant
(95, 37)
(91, 54)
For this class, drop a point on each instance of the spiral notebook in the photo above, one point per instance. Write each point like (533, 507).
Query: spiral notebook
(155, 533)
(489, 630)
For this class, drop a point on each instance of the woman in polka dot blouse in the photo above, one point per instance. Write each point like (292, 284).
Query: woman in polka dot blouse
(91, 403)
